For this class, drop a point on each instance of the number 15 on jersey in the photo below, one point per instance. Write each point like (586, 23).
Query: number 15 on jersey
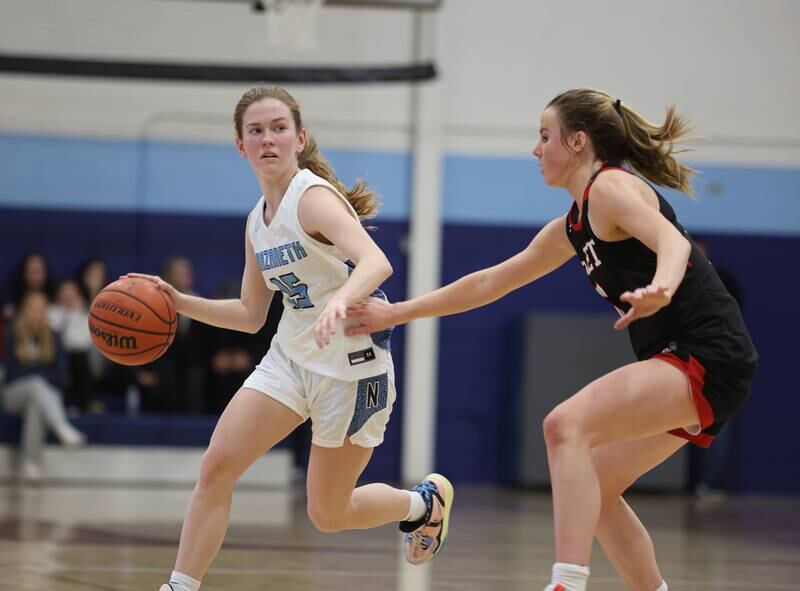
(296, 292)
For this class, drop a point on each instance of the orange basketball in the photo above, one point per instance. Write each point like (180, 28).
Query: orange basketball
(132, 322)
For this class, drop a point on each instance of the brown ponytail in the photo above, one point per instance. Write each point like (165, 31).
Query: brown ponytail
(360, 197)
(620, 134)
(363, 200)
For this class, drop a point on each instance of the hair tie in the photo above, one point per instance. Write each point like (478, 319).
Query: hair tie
(617, 105)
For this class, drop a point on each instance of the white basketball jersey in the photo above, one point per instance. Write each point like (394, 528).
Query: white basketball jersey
(309, 272)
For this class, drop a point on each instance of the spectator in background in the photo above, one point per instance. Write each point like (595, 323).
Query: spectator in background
(157, 385)
(187, 351)
(106, 377)
(231, 355)
(176, 382)
(33, 274)
(178, 271)
(36, 366)
(70, 317)
(93, 277)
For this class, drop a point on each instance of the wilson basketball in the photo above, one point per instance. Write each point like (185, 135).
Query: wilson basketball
(132, 322)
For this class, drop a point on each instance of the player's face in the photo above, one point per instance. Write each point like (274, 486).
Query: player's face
(553, 155)
(270, 140)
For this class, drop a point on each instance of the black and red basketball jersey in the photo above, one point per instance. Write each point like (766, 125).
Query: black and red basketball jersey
(702, 316)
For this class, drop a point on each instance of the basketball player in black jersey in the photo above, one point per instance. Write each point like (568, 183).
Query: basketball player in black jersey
(695, 357)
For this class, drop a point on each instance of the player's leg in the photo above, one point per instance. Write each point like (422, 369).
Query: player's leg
(251, 424)
(348, 421)
(636, 401)
(335, 504)
(619, 531)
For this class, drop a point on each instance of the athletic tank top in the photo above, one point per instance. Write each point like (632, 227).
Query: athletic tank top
(309, 272)
(702, 316)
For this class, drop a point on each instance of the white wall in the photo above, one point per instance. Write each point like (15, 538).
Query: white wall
(195, 32)
(729, 64)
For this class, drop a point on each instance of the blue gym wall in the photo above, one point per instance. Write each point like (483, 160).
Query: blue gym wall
(136, 202)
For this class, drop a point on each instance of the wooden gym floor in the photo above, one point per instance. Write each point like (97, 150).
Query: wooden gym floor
(68, 538)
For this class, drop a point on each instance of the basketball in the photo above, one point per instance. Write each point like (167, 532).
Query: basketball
(132, 322)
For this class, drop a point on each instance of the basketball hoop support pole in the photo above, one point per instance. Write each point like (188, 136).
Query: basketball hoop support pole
(424, 263)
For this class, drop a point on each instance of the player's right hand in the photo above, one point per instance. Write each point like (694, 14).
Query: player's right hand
(644, 301)
(174, 294)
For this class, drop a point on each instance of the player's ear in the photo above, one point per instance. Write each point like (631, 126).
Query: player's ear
(578, 141)
(302, 138)
(239, 146)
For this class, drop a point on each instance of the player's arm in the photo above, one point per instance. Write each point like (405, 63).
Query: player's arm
(323, 213)
(548, 250)
(246, 314)
(617, 204)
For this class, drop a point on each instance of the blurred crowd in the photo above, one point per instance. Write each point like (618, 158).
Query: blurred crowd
(50, 371)
(48, 335)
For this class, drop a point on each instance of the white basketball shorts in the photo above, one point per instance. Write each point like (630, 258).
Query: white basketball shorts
(357, 409)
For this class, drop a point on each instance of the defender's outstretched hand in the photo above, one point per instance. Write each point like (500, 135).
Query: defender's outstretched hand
(645, 301)
(372, 314)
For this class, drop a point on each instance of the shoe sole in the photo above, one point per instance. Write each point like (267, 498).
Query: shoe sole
(449, 495)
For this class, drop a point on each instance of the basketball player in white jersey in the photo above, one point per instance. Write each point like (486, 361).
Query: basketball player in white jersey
(304, 237)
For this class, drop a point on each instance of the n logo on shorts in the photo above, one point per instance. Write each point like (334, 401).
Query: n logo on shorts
(372, 396)
(373, 393)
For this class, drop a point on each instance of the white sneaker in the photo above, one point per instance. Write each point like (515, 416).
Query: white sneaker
(30, 471)
(70, 437)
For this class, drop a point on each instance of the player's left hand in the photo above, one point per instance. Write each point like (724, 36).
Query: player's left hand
(325, 327)
(645, 301)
